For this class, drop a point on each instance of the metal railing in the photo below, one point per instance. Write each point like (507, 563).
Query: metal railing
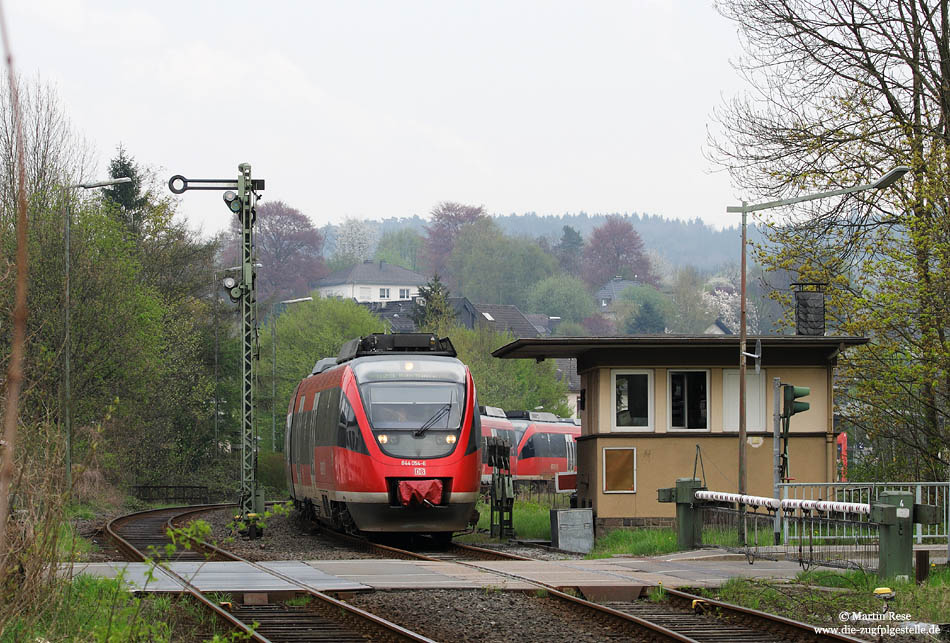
(931, 493)
(855, 545)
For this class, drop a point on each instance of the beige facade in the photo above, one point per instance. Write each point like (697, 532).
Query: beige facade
(650, 402)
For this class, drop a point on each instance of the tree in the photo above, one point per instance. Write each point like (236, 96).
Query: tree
(128, 197)
(287, 245)
(307, 332)
(630, 304)
(354, 242)
(646, 320)
(507, 383)
(435, 311)
(488, 267)
(570, 250)
(400, 248)
(690, 314)
(843, 91)
(448, 219)
(560, 296)
(614, 249)
(599, 326)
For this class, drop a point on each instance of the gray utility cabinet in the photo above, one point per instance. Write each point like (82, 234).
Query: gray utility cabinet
(572, 530)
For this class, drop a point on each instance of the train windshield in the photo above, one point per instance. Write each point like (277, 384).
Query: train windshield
(428, 406)
(414, 406)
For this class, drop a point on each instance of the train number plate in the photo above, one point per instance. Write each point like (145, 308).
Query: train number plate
(413, 463)
(419, 471)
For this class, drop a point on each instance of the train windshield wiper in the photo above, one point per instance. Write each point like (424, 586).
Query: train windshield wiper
(438, 415)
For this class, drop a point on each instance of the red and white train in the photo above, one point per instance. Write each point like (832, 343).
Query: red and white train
(386, 437)
(542, 444)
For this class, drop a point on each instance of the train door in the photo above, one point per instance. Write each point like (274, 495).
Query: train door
(571, 452)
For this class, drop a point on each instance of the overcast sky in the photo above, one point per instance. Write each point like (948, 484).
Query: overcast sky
(378, 109)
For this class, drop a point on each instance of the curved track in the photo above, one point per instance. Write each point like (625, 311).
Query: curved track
(144, 535)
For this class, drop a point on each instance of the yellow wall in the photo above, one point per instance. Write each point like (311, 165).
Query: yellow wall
(598, 417)
(660, 461)
(664, 455)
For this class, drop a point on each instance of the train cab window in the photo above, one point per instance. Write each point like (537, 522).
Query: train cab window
(558, 446)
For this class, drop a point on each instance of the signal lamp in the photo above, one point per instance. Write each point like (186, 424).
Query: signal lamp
(232, 201)
(229, 283)
(791, 394)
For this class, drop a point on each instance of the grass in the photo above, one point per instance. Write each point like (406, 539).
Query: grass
(532, 521)
(818, 596)
(635, 542)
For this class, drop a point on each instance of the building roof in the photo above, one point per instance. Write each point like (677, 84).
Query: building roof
(680, 350)
(505, 317)
(399, 314)
(612, 289)
(372, 273)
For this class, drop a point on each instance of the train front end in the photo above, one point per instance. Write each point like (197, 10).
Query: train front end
(420, 423)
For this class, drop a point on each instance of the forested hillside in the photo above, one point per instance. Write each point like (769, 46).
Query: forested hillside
(704, 246)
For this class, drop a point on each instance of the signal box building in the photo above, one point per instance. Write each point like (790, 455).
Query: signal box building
(648, 402)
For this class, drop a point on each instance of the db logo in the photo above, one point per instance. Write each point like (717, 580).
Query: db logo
(419, 471)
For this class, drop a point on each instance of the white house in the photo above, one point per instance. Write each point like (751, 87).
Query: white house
(372, 281)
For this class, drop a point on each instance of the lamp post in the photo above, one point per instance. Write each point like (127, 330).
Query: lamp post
(273, 397)
(67, 224)
(884, 181)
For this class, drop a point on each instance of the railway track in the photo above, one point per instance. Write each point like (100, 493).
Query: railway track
(682, 617)
(323, 618)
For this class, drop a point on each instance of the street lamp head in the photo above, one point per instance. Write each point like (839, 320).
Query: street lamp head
(891, 177)
(100, 184)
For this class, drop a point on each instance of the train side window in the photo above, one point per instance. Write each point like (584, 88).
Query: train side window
(348, 430)
(325, 418)
(312, 424)
(558, 447)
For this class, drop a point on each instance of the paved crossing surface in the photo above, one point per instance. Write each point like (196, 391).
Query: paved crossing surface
(692, 569)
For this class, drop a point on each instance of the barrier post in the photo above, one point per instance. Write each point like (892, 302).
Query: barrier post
(689, 517)
(894, 511)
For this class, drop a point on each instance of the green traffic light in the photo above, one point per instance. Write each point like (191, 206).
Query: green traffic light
(791, 394)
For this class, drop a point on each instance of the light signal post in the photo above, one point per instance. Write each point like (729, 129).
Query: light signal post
(885, 181)
(241, 198)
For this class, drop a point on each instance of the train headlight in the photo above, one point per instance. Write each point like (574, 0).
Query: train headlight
(383, 438)
(408, 366)
(450, 438)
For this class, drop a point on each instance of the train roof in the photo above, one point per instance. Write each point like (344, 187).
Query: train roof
(381, 344)
(534, 416)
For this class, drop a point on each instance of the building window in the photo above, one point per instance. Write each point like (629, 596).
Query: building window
(404, 293)
(633, 400)
(364, 293)
(689, 399)
(384, 293)
(620, 470)
(755, 415)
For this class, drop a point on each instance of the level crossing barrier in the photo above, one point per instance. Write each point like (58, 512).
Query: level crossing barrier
(924, 493)
(875, 536)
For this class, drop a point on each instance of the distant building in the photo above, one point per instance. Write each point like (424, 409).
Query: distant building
(505, 318)
(718, 327)
(372, 281)
(611, 290)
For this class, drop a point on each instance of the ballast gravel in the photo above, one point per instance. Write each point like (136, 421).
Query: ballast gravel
(486, 616)
(286, 537)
